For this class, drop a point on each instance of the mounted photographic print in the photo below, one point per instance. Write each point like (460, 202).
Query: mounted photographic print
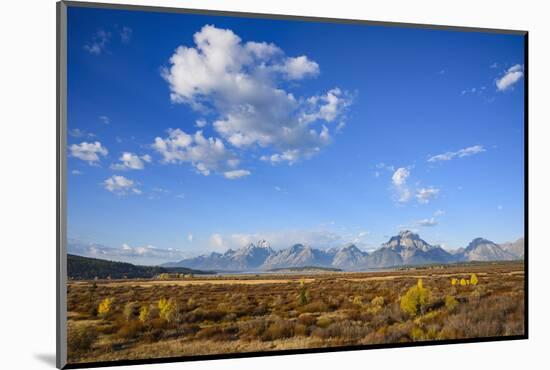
(234, 184)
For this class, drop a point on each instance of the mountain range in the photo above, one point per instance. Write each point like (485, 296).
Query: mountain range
(406, 248)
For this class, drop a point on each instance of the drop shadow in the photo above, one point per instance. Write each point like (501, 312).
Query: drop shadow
(46, 358)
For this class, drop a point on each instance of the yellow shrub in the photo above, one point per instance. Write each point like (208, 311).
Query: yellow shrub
(454, 281)
(144, 313)
(104, 307)
(450, 302)
(377, 301)
(463, 282)
(416, 299)
(164, 276)
(473, 279)
(167, 309)
(358, 301)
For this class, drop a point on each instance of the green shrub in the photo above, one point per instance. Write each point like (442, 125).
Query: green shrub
(303, 295)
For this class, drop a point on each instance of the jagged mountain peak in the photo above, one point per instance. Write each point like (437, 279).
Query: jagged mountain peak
(261, 245)
(408, 234)
(407, 240)
(350, 247)
(478, 241)
(406, 248)
(481, 249)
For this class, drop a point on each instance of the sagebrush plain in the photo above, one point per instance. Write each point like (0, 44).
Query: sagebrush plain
(194, 315)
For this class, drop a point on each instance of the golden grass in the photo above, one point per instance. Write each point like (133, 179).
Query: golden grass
(249, 313)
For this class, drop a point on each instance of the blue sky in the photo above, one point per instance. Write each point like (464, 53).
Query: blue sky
(194, 133)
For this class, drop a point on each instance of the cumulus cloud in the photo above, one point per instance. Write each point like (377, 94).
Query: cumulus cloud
(131, 161)
(200, 123)
(236, 174)
(427, 222)
(120, 185)
(425, 195)
(298, 68)
(400, 176)
(98, 42)
(89, 152)
(403, 193)
(289, 156)
(205, 154)
(399, 181)
(242, 83)
(510, 77)
(466, 152)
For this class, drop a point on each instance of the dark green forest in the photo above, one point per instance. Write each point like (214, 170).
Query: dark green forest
(85, 268)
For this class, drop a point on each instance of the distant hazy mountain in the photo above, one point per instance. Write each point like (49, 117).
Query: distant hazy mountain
(516, 248)
(349, 258)
(298, 255)
(406, 248)
(250, 257)
(481, 249)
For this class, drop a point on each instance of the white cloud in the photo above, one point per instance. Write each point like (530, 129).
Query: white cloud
(400, 176)
(105, 120)
(216, 242)
(78, 133)
(241, 83)
(131, 161)
(404, 193)
(206, 155)
(289, 156)
(298, 68)
(427, 222)
(89, 152)
(439, 212)
(120, 185)
(98, 43)
(399, 181)
(200, 123)
(76, 172)
(466, 152)
(510, 77)
(425, 195)
(190, 237)
(235, 174)
(494, 65)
